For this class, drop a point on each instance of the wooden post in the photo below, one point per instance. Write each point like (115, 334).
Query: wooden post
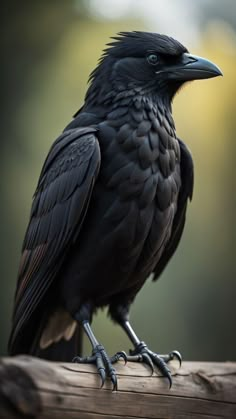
(33, 388)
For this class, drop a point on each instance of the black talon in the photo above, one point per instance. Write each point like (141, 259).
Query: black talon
(102, 374)
(119, 355)
(168, 376)
(124, 356)
(164, 369)
(177, 355)
(171, 356)
(147, 360)
(114, 382)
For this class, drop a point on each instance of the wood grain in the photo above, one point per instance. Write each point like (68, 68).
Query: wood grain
(33, 388)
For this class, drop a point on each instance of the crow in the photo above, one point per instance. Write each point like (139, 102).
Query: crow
(110, 205)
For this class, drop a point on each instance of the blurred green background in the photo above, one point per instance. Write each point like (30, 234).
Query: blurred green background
(48, 50)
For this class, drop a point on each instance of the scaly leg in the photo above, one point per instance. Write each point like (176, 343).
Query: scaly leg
(99, 356)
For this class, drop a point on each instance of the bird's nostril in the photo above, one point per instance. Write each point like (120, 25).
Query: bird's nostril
(188, 59)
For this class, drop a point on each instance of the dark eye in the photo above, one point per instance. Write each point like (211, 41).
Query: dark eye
(152, 59)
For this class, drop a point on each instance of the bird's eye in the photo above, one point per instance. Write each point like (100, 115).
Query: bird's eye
(152, 59)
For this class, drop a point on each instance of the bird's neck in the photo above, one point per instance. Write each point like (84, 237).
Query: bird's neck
(143, 99)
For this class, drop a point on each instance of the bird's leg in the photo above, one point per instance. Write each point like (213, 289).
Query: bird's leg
(141, 353)
(99, 356)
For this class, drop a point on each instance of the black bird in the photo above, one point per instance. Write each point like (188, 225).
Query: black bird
(109, 208)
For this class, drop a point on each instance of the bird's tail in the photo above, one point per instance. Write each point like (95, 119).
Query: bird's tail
(59, 338)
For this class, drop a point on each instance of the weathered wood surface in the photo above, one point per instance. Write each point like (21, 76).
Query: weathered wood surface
(32, 388)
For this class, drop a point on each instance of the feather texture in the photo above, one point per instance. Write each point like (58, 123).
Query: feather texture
(60, 202)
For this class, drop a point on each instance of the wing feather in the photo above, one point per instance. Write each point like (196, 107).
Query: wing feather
(58, 210)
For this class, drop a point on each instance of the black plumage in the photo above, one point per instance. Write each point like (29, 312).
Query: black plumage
(110, 204)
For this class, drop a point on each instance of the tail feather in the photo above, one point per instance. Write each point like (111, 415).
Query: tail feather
(58, 338)
(63, 350)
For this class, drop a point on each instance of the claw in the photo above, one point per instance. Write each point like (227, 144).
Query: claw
(114, 382)
(164, 369)
(123, 355)
(118, 356)
(102, 374)
(177, 355)
(147, 359)
(171, 356)
(168, 376)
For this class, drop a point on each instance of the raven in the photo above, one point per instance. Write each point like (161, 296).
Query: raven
(110, 204)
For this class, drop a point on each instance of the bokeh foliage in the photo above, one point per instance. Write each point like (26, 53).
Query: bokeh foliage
(50, 47)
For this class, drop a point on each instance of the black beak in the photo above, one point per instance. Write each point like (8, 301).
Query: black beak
(191, 67)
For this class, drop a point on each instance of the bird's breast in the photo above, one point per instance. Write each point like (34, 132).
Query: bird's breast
(133, 203)
(141, 155)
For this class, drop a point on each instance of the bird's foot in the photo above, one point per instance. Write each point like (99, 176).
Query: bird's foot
(142, 353)
(103, 363)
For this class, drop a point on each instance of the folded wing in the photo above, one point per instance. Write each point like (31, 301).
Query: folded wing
(59, 207)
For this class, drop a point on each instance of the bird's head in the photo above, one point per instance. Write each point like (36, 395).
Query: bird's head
(150, 62)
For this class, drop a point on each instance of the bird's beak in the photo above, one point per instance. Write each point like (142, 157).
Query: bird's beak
(191, 67)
